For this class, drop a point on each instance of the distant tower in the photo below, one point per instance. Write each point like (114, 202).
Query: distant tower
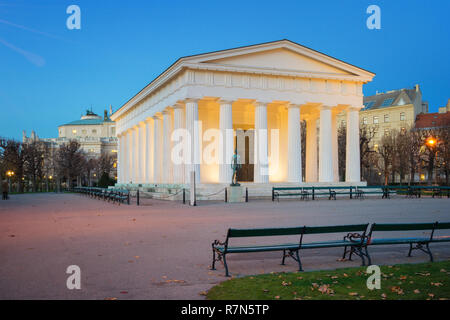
(24, 136)
(110, 110)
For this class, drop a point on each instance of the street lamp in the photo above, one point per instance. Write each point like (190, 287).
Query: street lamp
(431, 143)
(9, 173)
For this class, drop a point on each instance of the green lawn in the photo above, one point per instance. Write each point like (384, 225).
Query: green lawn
(406, 281)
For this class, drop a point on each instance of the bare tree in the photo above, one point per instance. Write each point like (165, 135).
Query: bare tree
(444, 153)
(13, 159)
(367, 157)
(34, 153)
(342, 146)
(386, 150)
(70, 161)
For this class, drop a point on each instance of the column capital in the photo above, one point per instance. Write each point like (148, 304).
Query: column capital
(225, 101)
(293, 105)
(165, 111)
(188, 100)
(148, 119)
(178, 105)
(156, 117)
(325, 107)
(354, 108)
(259, 103)
(141, 123)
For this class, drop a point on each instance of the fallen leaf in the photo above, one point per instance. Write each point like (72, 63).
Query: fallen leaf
(353, 293)
(417, 291)
(203, 293)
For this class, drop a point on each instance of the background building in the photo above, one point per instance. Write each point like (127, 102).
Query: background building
(435, 120)
(94, 133)
(392, 110)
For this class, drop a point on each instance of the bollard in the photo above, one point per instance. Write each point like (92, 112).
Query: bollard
(313, 193)
(246, 194)
(137, 197)
(226, 195)
(351, 196)
(184, 196)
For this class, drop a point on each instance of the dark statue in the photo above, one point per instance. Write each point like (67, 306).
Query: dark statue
(235, 165)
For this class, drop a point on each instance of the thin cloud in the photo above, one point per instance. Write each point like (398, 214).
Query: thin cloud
(15, 25)
(31, 57)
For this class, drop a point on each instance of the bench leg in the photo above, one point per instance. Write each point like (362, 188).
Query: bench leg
(345, 253)
(227, 274)
(420, 246)
(300, 268)
(284, 256)
(410, 249)
(213, 265)
(368, 256)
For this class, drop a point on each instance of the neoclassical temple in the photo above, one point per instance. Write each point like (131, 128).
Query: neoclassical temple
(251, 99)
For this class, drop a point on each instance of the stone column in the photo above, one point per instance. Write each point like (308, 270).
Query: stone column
(135, 162)
(157, 149)
(294, 145)
(119, 158)
(226, 142)
(130, 156)
(325, 146)
(261, 168)
(334, 146)
(148, 150)
(352, 159)
(178, 124)
(311, 150)
(141, 153)
(167, 147)
(194, 145)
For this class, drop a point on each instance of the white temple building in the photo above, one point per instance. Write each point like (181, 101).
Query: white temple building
(251, 99)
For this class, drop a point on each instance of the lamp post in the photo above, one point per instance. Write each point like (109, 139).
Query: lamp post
(9, 173)
(431, 143)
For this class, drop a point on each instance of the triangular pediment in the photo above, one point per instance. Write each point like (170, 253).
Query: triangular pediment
(283, 56)
(280, 59)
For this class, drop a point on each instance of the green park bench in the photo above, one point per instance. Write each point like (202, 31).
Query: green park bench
(351, 236)
(418, 242)
(278, 192)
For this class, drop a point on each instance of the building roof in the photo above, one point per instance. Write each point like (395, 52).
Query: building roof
(390, 99)
(90, 118)
(432, 120)
(204, 60)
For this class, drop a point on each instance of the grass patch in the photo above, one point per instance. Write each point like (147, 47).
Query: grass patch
(398, 282)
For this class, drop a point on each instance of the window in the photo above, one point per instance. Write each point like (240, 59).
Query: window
(364, 120)
(387, 102)
(368, 105)
(386, 118)
(375, 119)
(113, 131)
(375, 147)
(83, 131)
(94, 131)
(402, 116)
(74, 131)
(386, 132)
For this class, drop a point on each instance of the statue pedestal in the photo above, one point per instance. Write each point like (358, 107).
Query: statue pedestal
(236, 194)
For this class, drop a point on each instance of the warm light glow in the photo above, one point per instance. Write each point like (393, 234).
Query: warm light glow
(51, 177)
(422, 177)
(431, 141)
(9, 173)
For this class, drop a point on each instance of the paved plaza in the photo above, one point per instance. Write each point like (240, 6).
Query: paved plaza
(162, 250)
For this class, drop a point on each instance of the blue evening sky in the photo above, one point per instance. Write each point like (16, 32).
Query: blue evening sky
(50, 75)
